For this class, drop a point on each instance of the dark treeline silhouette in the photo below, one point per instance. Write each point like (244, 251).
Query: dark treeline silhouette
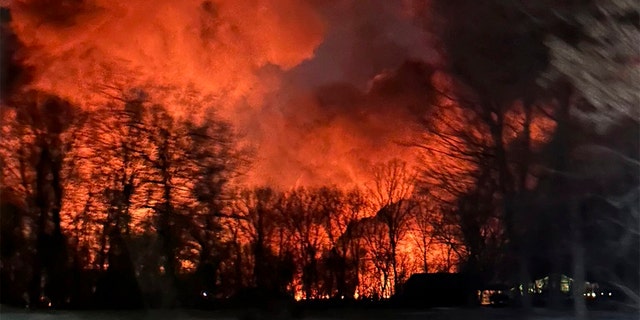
(128, 206)
(538, 142)
(84, 188)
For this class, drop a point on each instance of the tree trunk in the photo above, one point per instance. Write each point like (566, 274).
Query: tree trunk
(258, 264)
(259, 252)
(555, 295)
(238, 266)
(525, 279)
(425, 262)
(394, 266)
(577, 252)
(35, 287)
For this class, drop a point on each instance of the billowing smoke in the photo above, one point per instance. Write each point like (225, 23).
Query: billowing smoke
(334, 133)
(227, 48)
(355, 102)
(320, 87)
(14, 74)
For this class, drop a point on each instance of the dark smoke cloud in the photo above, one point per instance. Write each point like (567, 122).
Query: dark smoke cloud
(14, 74)
(493, 47)
(57, 13)
(363, 92)
(363, 39)
(335, 132)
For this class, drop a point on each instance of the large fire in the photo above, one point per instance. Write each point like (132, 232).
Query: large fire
(319, 105)
(231, 49)
(257, 62)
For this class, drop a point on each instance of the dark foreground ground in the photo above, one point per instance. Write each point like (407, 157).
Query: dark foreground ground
(348, 314)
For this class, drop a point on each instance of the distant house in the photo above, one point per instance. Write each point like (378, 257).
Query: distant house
(540, 289)
(494, 294)
(542, 285)
(439, 290)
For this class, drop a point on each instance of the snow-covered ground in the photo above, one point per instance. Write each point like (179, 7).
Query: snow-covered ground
(438, 314)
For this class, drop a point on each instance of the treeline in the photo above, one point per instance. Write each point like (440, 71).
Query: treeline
(126, 205)
(78, 186)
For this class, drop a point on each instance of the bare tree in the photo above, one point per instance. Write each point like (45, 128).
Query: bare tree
(392, 191)
(258, 216)
(375, 235)
(422, 232)
(603, 66)
(354, 206)
(302, 214)
(49, 126)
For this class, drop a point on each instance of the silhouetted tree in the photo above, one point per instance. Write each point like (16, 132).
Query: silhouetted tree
(603, 64)
(48, 126)
(257, 213)
(302, 214)
(375, 239)
(392, 191)
(344, 255)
